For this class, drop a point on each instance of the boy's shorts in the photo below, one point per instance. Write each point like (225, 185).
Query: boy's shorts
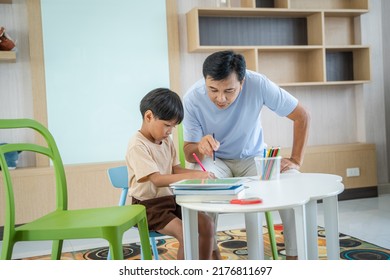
(160, 211)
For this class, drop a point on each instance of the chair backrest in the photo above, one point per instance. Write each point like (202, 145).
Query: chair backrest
(51, 151)
(118, 178)
(181, 145)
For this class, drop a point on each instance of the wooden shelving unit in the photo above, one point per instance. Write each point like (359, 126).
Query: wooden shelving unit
(293, 42)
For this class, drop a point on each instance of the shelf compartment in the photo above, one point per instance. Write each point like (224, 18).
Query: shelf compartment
(265, 4)
(251, 27)
(340, 30)
(293, 66)
(7, 56)
(348, 64)
(329, 4)
(260, 31)
(254, 3)
(5, 1)
(271, 4)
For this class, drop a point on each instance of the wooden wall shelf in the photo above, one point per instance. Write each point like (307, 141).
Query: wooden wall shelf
(7, 56)
(314, 42)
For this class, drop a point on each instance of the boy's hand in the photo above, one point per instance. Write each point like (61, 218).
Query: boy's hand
(211, 175)
(204, 175)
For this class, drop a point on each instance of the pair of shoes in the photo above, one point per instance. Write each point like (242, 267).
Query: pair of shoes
(6, 42)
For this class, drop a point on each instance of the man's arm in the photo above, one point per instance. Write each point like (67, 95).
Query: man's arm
(301, 119)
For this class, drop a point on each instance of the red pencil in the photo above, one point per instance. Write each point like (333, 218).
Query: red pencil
(198, 161)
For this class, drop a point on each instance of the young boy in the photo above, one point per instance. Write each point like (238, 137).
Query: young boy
(152, 165)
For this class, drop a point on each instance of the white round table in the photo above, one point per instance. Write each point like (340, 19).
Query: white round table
(298, 191)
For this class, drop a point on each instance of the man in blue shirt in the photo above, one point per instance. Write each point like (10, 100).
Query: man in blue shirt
(227, 104)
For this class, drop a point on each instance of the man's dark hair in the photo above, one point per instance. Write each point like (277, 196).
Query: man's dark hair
(165, 104)
(220, 65)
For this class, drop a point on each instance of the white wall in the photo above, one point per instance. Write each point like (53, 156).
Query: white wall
(370, 101)
(386, 73)
(101, 58)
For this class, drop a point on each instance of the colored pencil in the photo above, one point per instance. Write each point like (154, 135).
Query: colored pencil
(198, 161)
(213, 150)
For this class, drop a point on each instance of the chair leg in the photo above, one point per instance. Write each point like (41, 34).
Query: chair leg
(6, 250)
(144, 237)
(116, 251)
(154, 247)
(271, 234)
(56, 249)
(152, 241)
(115, 246)
(152, 244)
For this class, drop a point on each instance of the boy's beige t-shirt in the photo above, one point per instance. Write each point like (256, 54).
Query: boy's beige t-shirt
(143, 158)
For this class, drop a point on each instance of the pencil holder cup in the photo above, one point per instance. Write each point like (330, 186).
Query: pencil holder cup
(268, 168)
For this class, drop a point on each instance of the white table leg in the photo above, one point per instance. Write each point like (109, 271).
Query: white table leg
(254, 235)
(331, 219)
(190, 233)
(300, 225)
(312, 232)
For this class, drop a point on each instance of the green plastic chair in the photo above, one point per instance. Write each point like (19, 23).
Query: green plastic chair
(109, 223)
(268, 215)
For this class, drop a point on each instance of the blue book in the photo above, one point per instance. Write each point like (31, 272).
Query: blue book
(219, 183)
(208, 191)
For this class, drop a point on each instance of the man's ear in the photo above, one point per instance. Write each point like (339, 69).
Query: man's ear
(148, 116)
(242, 84)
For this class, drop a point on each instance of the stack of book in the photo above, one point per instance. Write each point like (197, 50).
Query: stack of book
(206, 190)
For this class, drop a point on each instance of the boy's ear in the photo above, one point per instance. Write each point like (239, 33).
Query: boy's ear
(148, 116)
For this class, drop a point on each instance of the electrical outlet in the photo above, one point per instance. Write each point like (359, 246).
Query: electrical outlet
(353, 172)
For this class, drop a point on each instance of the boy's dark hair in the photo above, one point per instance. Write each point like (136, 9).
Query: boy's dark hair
(220, 65)
(165, 104)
